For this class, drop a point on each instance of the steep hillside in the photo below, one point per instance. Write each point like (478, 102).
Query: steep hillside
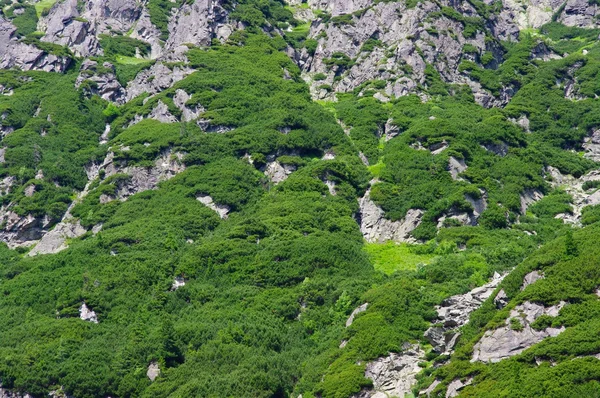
(322, 198)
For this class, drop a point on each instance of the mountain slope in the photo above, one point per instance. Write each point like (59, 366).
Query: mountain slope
(259, 198)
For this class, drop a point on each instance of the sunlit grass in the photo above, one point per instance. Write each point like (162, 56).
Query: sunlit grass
(391, 257)
(42, 5)
(130, 60)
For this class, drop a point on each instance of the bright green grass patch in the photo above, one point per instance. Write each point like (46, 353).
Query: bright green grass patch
(42, 5)
(391, 257)
(130, 60)
(376, 169)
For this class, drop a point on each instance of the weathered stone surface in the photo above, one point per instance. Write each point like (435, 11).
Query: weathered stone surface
(455, 386)
(153, 371)
(207, 201)
(162, 114)
(177, 283)
(531, 278)
(55, 240)
(529, 197)
(505, 342)
(87, 314)
(376, 228)
(187, 114)
(15, 54)
(574, 187)
(103, 81)
(155, 79)
(278, 172)
(454, 313)
(456, 166)
(394, 375)
(354, 313)
(197, 24)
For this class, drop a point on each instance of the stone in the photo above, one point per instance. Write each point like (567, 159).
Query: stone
(395, 374)
(456, 166)
(354, 313)
(455, 386)
(278, 172)
(178, 282)
(103, 80)
(531, 278)
(376, 228)
(162, 114)
(55, 240)
(454, 312)
(87, 314)
(529, 197)
(501, 299)
(505, 342)
(207, 201)
(153, 371)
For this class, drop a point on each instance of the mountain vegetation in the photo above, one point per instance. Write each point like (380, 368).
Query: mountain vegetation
(214, 208)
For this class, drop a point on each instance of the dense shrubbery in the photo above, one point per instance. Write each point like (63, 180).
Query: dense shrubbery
(269, 289)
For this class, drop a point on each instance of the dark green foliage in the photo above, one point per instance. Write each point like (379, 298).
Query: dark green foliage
(123, 45)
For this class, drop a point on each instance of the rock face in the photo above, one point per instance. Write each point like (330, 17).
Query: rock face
(529, 197)
(354, 313)
(153, 371)
(16, 54)
(376, 228)
(55, 240)
(207, 201)
(508, 341)
(197, 24)
(574, 187)
(156, 79)
(100, 81)
(394, 375)
(87, 314)
(166, 166)
(278, 172)
(454, 313)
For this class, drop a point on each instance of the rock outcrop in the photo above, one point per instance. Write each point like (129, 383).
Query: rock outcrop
(376, 228)
(510, 340)
(394, 375)
(16, 54)
(101, 81)
(574, 187)
(207, 201)
(454, 313)
(87, 314)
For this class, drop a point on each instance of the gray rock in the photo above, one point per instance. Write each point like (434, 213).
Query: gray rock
(376, 228)
(197, 24)
(531, 278)
(395, 374)
(55, 240)
(501, 299)
(155, 79)
(153, 371)
(86, 314)
(207, 201)
(188, 114)
(455, 386)
(162, 114)
(278, 172)
(104, 81)
(454, 312)
(357, 310)
(505, 342)
(529, 197)
(456, 166)
(64, 26)
(15, 54)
